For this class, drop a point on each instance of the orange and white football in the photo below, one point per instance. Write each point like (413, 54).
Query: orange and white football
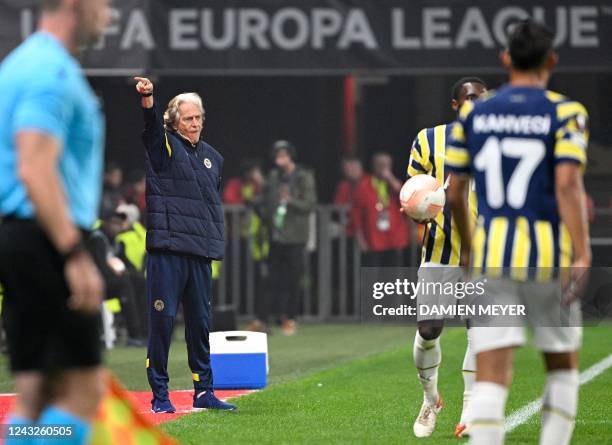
(422, 197)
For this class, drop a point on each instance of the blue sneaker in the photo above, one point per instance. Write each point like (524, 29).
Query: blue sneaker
(162, 406)
(208, 400)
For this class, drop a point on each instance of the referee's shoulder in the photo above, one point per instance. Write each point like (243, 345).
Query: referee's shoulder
(52, 72)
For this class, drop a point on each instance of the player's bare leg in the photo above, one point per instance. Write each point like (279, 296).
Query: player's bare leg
(77, 396)
(81, 391)
(493, 376)
(427, 357)
(30, 400)
(560, 401)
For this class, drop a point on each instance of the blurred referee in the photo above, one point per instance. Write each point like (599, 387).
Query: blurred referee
(51, 154)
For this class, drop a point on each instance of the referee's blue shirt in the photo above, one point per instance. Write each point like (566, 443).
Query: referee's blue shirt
(42, 88)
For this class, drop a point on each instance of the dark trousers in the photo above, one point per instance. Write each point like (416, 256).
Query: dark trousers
(174, 279)
(286, 269)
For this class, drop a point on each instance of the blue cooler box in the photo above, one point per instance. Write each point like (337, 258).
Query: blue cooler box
(239, 359)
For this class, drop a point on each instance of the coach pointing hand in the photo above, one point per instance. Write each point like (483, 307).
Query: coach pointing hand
(145, 89)
(184, 233)
(144, 86)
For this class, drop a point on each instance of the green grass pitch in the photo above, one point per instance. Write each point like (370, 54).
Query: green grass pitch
(357, 384)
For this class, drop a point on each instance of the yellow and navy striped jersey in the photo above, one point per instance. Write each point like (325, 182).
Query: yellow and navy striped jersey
(510, 143)
(441, 244)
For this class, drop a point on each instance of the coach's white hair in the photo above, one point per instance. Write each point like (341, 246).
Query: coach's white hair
(172, 114)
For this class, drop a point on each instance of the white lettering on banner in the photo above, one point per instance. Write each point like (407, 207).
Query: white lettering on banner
(357, 29)
(183, 29)
(399, 39)
(505, 17)
(281, 19)
(252, 25)
(561, 23)
(27, 23)
(292, 28)
(112, 29)
(137, 31)
(436, 28)
(326, 22)
(228, 35)
(474, 29)
(583, 23)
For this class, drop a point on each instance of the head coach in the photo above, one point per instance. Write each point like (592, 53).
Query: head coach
(184, 233)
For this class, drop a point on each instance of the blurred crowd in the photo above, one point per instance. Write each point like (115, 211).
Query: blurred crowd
(118, 245)
(282, 203)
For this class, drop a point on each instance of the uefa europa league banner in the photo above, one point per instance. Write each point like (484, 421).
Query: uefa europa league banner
(325, 36)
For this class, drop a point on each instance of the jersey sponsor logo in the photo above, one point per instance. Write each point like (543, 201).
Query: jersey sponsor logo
(207, 163)
(510, 123)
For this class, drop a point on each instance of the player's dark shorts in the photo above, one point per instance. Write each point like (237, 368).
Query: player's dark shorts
(42, 333)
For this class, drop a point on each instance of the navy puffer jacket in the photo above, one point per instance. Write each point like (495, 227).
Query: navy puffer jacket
(184, 214)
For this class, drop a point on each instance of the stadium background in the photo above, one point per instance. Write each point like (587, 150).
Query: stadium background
(354, 101)
(294, 84)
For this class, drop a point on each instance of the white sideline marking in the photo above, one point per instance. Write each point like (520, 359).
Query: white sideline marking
(523, 414)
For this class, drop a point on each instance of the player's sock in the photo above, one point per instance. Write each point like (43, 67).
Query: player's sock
(487, 413)
(10, 438)
(469, 377)
(427, 356)
(81, 429)
(560, 406)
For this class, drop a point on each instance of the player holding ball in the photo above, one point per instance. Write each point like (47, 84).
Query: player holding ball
(440, 257)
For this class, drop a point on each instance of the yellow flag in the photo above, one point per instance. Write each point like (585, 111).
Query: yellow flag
(119, 423)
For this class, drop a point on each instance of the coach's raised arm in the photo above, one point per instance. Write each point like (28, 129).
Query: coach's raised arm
(154, 132)
(184, 233)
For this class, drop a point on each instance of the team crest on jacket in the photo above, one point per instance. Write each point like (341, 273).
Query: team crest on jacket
(207, 163)
(158, 305)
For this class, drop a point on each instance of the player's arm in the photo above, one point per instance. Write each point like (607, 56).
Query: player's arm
(457, 198)
(419, 163)
(39, 127)
(145, 89)
(571, 141)
(571, 200)
(457, 161)
(38, 155)
(154, 134)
